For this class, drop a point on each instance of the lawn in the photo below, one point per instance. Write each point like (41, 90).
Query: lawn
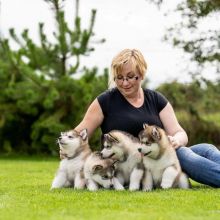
(25, 194)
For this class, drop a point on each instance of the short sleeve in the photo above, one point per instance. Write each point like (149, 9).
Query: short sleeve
(161, 101)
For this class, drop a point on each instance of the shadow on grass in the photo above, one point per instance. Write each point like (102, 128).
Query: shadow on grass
(199, 186)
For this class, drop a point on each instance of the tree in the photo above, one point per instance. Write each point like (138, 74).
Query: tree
(39, 95)
(194, 32)
(196, 101)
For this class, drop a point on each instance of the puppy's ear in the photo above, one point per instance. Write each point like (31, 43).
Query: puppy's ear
(145, 126)
(111, 138)
(84, 134)
(156, 134)
(97, 168)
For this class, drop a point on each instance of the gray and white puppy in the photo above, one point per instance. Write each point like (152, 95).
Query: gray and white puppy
(74, 149)
(100, 172)
(123, 147)
(160, 160)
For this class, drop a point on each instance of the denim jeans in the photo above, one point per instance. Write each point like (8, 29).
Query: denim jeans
(201, 162)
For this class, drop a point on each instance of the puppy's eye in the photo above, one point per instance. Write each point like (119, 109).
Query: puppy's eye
(105, 177)
(70, 137)
(113, 166)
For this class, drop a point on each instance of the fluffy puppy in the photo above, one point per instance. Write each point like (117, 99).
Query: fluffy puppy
(100, 172)
(74, 149)
(123, 147)
(160, 160)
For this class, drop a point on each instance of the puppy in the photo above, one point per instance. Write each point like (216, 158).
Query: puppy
(160, 161)
(100, 172)
(74, 149)
(123, 147)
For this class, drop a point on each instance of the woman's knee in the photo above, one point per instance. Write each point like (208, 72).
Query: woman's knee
(201, 149)
(186, 156)
(183, 152)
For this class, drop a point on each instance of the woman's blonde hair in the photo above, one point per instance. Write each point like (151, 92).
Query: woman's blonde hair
(127, 55)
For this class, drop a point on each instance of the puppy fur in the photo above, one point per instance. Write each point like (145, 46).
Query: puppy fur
(75, 149)
(162, 167)
(100, 172)
(122, 147)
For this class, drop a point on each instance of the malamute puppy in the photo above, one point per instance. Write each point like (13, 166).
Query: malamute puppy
(123, 147)
(75, 149)
(160, 160)
(100, 172)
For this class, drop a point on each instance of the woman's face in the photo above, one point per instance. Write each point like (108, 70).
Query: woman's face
(128, 81)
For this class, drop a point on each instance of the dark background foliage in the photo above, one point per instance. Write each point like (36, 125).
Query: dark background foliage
(197, 108)
(44, 93)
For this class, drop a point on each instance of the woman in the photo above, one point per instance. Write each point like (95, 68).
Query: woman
(127, 106)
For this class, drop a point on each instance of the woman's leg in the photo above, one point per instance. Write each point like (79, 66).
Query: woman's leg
(199, 168)
(208, 151)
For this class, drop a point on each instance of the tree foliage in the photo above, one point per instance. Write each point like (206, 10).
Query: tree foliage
(194, 103)
(40, 97)
(197, 31)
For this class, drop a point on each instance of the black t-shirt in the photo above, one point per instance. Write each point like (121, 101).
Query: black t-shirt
(119, 114)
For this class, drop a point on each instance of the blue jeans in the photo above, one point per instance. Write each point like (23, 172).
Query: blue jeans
(201, 162)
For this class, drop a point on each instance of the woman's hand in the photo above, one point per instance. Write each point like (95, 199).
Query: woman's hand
(178, 136)
(174, 141)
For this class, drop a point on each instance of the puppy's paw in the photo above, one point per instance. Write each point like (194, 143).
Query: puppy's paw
(93, 189)
(134, 188)
(147, 189)
(118, 186)
(79, 187)
(166, 186)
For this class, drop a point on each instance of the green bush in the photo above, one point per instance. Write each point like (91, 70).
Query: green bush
(40, 97)
(193, 102)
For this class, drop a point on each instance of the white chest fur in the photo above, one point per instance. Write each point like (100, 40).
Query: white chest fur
(72, 167)
(157, 167)
(127, 167)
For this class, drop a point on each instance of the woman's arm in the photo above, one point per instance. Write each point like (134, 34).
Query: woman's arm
(92, 119)
(178, 136)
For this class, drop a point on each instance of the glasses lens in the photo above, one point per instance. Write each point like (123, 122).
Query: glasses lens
(130, 78)
(120, 79)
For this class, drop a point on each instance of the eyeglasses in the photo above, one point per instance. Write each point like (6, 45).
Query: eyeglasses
(120, 79)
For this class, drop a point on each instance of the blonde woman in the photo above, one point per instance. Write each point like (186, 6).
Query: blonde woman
(127, 106)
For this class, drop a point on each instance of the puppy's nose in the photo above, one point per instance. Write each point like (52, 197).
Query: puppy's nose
(111, 186)
(139, 149)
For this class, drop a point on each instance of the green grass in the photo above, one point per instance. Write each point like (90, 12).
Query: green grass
(24, 194)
